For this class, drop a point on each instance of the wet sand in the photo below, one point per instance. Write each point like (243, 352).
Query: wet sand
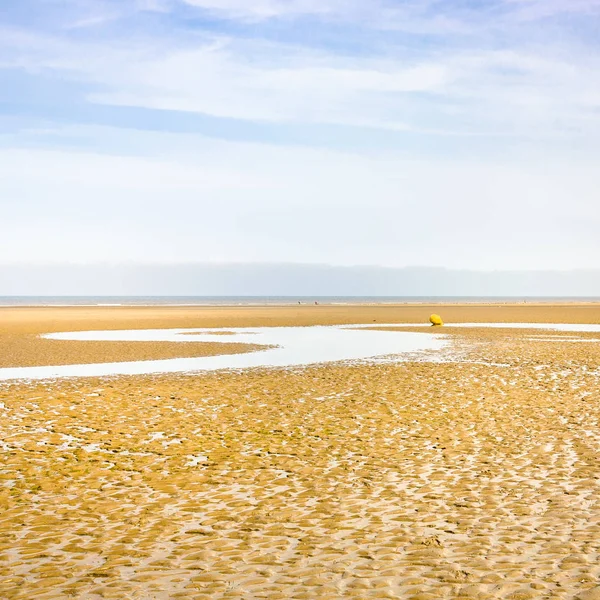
(476, 479)
(20, 327)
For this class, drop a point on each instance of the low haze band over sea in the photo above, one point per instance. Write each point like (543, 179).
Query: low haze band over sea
(272, 300)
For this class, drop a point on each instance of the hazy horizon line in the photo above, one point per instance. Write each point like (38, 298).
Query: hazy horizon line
(289, 279)
(315, 265)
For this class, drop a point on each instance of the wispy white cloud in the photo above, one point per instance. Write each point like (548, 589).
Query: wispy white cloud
(432, 67)
(159, 6)
(396, 13)
(94, 20)
(414, 16)
(197, 199)
(462, 90)
(532, 10)
(265, 9)
(96, 13)
(221, 82)
(505, 85)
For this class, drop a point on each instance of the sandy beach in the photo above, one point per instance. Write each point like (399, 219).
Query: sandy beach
(477, 478)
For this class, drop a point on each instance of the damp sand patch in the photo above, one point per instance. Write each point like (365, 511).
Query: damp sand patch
(286, 346)
(34, 351)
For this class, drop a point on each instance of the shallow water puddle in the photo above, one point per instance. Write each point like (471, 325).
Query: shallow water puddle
(293, 346)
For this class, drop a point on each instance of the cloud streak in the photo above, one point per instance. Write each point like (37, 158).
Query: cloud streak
(476, 100)
(188, 197)
(534, 10)
(519, 91)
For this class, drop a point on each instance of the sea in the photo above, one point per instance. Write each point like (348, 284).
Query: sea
(275, 300)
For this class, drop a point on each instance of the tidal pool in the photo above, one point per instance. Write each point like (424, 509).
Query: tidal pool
(293, 346)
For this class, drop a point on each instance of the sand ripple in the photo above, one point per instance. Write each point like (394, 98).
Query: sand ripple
(375, 481)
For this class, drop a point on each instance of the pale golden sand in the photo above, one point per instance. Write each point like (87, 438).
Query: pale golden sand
(414, 480)
(21, 346)
(31, 351)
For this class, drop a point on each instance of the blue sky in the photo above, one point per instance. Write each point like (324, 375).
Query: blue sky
(451, 133)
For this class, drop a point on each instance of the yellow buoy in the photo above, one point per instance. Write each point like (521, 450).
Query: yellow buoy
(436, 320)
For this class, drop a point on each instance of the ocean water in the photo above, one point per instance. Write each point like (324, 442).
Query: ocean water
(270, 300)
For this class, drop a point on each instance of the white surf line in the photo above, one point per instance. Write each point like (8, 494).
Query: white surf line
(295, 346)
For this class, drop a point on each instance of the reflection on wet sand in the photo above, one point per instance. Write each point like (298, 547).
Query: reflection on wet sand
(290, 346)
(281, 347)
